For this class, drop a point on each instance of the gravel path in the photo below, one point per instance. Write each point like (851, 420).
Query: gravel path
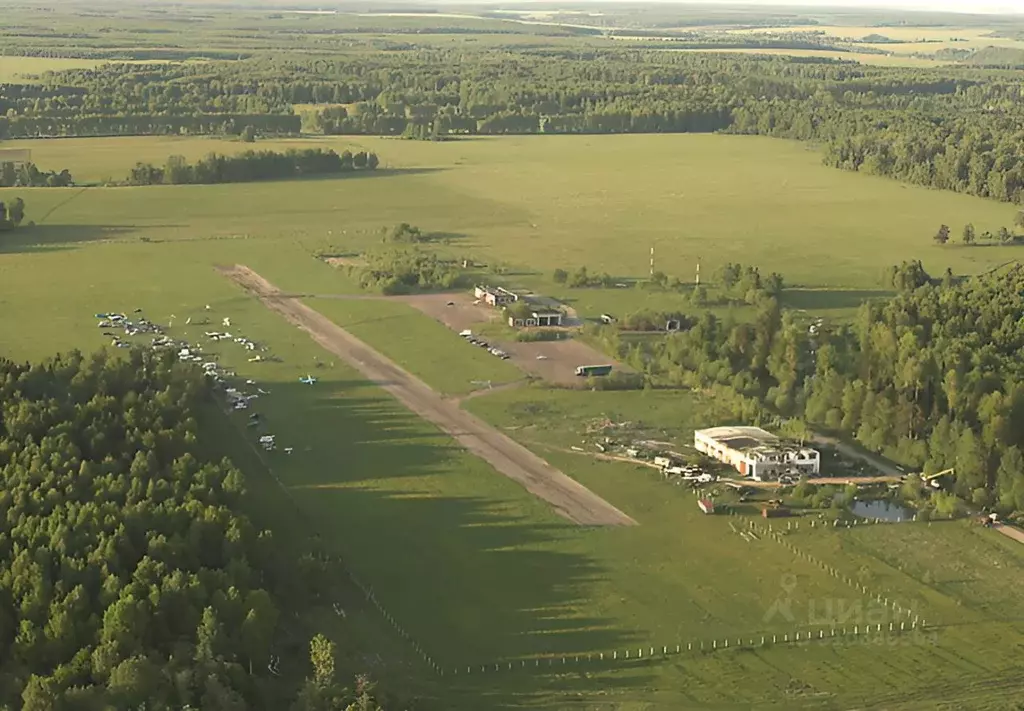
(568, 497)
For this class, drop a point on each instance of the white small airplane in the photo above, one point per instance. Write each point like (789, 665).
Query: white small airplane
(308, 380)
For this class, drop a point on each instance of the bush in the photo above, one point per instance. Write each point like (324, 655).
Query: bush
(581, 279)
(405, 270)
(618, 381)
(405, 233)
(560, 276)
(650, 320)
(543, 334)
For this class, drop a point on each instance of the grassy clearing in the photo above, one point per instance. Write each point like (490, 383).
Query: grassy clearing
(819, 227)
(22, 69)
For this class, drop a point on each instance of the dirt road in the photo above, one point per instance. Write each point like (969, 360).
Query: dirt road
(568, 497)
(1014, 533)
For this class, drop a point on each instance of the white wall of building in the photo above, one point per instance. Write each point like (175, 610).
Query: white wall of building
(767, 463)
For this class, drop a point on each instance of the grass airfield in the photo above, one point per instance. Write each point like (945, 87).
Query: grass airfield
(475, 569)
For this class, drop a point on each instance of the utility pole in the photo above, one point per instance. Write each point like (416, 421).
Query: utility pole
(697, 283)
(652, 261)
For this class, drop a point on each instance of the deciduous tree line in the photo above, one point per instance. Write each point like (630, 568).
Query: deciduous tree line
(28, 175)
(932, 377)
(250, 166)
(130, 577)
(956, 129)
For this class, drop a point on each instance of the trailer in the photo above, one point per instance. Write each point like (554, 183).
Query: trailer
(590, 371)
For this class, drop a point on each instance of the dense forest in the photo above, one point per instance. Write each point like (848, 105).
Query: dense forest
(28, 175)
(250, 166)
(932, 378)
(12, 213)
(958, 128)
(130, 576)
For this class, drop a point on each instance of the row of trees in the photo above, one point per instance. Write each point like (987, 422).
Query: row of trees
(130, 576)
(12, 213)
(251, 166)
(970, 236)
(145, 124)
(28, 175)
(958, 129)
(582, 279)
(932, 377)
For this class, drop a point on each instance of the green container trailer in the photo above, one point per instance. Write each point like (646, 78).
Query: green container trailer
(587, 371)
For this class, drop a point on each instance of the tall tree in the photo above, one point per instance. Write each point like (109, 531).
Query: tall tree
(968, 234)
(321, 655)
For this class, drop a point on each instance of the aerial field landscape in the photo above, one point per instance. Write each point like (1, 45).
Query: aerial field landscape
(821, 228)
(443, 501)
(565, 591)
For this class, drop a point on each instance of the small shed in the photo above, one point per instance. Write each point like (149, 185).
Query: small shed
(706, 505)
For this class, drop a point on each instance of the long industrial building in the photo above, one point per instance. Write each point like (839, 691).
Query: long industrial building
(756, 453)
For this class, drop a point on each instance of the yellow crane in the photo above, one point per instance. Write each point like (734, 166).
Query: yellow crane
(933, 479)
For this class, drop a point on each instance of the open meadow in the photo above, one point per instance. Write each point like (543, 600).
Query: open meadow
(28, 69)
(472, 567)
(601, 202)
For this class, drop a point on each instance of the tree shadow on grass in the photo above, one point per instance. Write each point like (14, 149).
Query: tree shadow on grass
(366, 174)
(822, 299)
(474, 568)
(48, 238)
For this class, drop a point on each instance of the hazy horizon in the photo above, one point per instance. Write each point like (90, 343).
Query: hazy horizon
(1005, 7)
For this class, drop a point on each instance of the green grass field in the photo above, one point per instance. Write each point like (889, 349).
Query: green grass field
(821, 228)
(421, 345)
(22, 69)
(473, 567)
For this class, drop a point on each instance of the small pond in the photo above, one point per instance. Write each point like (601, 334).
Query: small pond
(885, 510)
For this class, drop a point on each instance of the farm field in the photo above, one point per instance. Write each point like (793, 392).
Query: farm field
(819, 227)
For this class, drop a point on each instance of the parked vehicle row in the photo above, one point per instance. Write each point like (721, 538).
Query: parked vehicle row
(481, 343)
